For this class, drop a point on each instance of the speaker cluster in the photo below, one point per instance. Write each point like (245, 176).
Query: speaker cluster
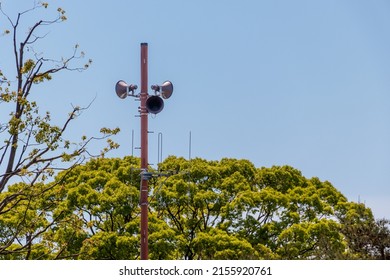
(154, 103)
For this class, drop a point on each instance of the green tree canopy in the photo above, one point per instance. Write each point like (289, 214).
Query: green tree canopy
(226, 209)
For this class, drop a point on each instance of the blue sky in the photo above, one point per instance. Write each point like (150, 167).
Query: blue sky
(303, 83)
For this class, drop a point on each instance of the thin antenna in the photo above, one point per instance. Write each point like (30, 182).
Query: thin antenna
(189, 146)
(160, 146)
(132, 142)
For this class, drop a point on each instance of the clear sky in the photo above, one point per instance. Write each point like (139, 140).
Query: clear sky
(302, 83)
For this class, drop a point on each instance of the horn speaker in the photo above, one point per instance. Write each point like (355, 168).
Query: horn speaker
(165, 89)
(154, 104)
(122, 89)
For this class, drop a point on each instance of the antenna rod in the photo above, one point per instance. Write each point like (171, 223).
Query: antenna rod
(132, 142)
(189, 147)
(160, 143)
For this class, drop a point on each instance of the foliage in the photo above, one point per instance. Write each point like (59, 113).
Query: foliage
(276, 211)
(226, 209)
(32, 147)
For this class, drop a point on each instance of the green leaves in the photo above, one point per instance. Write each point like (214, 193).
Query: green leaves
(28, 66)
(225, 209)
(109, 246)
(220, 245)
(311, 240)
(259, 206)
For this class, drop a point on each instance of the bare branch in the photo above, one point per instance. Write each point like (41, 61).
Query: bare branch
(29, 34)
(5, 147)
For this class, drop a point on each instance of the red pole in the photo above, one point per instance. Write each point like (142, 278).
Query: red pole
(144, 151)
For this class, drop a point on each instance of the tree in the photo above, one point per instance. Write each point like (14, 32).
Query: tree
(276, 211)
(32, 148)
(218, 208)
(96, 206)
(367, 238)
(102, 197)
(226, 209)
(200, 198)
(382, 239)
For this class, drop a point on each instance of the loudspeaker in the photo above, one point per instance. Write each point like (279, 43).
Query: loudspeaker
(165, 89)
(154, 104)
(122, 89)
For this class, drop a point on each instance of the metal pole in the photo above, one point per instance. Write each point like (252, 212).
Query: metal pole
(144, 151)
